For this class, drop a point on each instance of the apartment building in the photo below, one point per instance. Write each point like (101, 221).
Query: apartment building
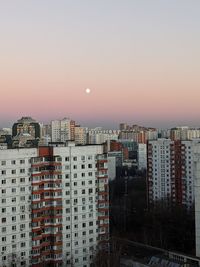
(80, 135)
(142, 156)
(62, 130)
(26, 125)
(54, 205)
(184, 133)
(170, 171)
(15, 206)
(100, 136)
(197, 196)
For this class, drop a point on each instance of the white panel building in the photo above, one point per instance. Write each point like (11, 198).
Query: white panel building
(61, 130)
(15, 206)
(54, 205)
(170, 171)
(142, 156)
(197, 196)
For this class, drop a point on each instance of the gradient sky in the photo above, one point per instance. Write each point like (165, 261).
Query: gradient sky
(140, 58)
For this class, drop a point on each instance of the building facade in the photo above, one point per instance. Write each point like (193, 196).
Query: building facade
(62, 130)
(54, 205)
(197, 197)
(26, 125)
(142, 156)
(170, 171)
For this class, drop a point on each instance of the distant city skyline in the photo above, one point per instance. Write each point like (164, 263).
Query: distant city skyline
(104, 123)
(141, 60)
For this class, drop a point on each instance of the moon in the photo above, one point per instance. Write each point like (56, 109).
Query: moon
(87, 91)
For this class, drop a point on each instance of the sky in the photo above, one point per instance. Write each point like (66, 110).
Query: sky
(141, 60)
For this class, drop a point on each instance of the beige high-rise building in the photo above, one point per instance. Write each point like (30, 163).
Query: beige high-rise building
(62, 130)
(80, 135)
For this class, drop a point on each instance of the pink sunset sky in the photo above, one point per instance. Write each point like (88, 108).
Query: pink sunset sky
(141, 60)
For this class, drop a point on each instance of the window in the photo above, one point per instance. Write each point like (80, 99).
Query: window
(13, 181)
(23, 244)
(13, 209)
(3, 163)
(23, 235)
(3, 181)
(22, 170)
(22, 208)
(22, 161)
(22, 180)
(13, 162)
(90, 190)
(22, 217)
(66, 158)
(74, 158)
(3, 229)
(3, 220)
(22, 226)
(13, 171)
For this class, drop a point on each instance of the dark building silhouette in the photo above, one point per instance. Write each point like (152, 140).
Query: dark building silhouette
(26, 125)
